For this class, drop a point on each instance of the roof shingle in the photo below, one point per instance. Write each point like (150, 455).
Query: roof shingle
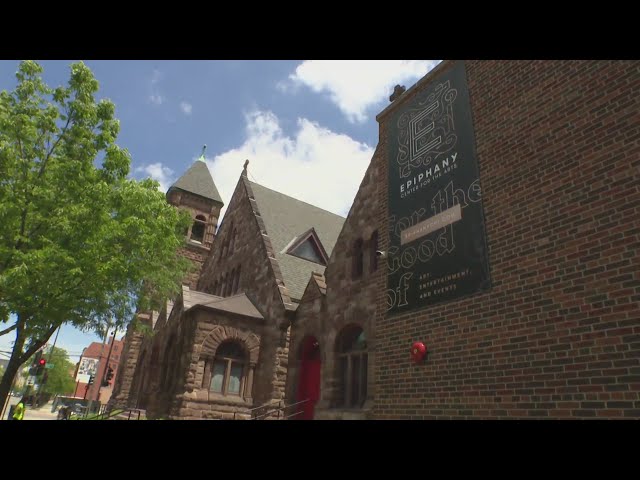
(198, 180)
(286, 218)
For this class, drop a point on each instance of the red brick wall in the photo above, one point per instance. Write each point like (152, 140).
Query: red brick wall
(558, 335)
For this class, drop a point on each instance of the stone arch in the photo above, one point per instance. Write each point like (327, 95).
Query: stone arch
(220, 333)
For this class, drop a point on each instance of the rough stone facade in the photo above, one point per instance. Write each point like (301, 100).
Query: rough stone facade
(260, 279)
(125, 392)
(348, 301)
(170, 378)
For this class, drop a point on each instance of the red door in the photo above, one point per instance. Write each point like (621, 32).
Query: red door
(309, 381)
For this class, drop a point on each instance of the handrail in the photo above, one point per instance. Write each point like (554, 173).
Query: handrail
(273, 402)
(109, 413)
(281, 408)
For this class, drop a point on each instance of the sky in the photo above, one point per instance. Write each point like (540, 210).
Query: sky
(307, 128)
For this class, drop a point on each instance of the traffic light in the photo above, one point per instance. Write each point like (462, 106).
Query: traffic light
(41, 365)
(37, 367)
(108, 378)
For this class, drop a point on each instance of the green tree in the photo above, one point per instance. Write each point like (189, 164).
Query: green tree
(60, 379)
(80, 243)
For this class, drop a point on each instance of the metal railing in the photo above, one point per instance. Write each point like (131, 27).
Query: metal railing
(276, 409)
(107, 413)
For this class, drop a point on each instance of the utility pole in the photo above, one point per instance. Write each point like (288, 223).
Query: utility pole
(104, 341)
(45, 375)
(106, 366)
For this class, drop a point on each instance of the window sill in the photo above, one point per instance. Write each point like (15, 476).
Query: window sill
(229, 399)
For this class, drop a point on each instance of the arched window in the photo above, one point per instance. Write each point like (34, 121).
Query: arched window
(358, 259)
(373, 258)
(228, 369)
(352, 365)
(197, 229)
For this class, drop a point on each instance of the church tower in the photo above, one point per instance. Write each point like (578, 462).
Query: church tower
(196, 192)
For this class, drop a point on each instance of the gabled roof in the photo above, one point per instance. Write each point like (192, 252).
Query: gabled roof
(320, 282)
(286, 218)
(198, 180)
(238, 304)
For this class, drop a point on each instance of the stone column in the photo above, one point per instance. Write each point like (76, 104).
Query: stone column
(248, 390)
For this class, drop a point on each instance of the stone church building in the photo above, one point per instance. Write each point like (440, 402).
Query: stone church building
(489, 266)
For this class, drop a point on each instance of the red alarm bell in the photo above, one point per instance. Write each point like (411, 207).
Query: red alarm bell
(418, 352)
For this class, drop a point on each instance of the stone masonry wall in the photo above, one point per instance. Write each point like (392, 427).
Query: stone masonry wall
(208, 329)
(348, 300)
(258, 274)
(126, 368)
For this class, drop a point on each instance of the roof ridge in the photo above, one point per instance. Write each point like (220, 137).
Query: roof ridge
(297, 199)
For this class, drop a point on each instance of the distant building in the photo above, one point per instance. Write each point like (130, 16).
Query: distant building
(94, 362)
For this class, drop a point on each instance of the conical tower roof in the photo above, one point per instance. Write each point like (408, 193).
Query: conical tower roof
(198, 180)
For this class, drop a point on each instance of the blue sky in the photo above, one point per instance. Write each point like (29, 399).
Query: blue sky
(307, 128)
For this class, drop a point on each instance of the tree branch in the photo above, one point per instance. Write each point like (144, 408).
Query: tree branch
(64, 130)
(7, 330)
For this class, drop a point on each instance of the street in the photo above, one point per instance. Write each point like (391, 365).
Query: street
(42, 413)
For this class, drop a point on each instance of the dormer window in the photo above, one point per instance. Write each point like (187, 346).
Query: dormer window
(197, 229)
(308, 247)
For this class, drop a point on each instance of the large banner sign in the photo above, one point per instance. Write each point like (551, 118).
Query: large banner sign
(437, 248)
(88, 367)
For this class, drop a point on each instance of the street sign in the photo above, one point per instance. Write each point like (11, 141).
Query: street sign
(49, 365)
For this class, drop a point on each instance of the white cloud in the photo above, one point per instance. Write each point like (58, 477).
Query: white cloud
(356, 85)
(186, 108)
(155, 96)
(156, 76)
(158, 172)
(156, 99)
(316, 165)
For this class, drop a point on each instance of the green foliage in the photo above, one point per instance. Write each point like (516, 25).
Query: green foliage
(59, 378)
(80, 242)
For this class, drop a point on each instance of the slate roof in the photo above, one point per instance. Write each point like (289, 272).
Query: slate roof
(239, 304)
(198, 180)
(286, 218)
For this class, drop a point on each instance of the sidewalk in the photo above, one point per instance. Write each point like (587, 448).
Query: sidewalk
(41, 413)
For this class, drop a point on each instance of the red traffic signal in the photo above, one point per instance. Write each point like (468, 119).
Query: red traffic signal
(42, 362)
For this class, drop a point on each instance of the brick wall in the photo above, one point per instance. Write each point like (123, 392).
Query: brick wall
(558, 335)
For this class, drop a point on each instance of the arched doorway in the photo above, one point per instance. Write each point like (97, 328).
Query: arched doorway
(309, 379)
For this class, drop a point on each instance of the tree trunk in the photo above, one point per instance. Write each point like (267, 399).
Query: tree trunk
(18, 357)
(7, 381)
(12, 368)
